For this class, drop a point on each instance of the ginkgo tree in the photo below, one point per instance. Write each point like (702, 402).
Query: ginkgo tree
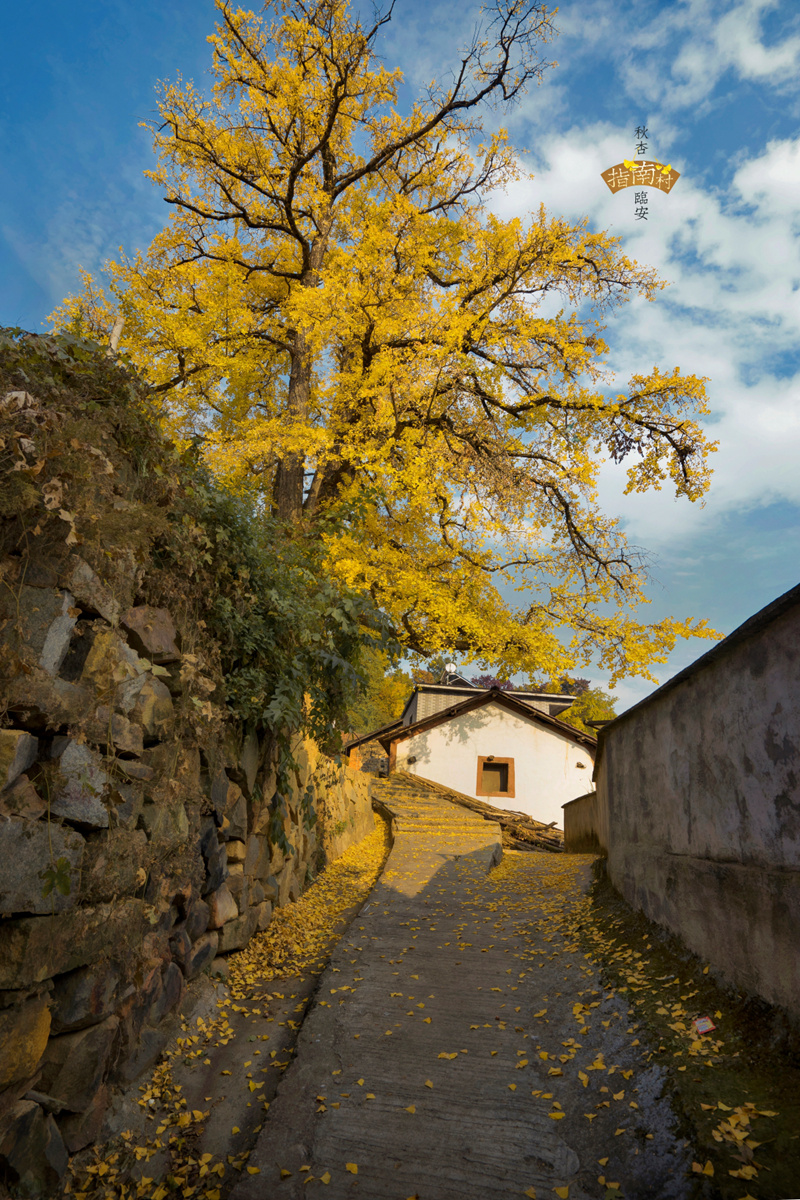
(336, 315)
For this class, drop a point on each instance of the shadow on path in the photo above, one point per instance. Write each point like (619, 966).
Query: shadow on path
(460, 1044)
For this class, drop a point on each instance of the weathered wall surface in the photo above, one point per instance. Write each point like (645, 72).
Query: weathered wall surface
(699, 805)
(169, 853)
(581, 823)
(141, 829)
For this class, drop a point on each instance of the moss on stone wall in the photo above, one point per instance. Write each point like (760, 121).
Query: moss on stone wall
(164, 653)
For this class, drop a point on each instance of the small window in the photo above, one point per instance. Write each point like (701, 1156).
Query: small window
(495, 776)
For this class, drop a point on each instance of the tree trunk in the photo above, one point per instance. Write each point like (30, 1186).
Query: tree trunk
(288, 487)
(290, 475)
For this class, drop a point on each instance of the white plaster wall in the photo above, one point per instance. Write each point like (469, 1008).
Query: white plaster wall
(545, 762)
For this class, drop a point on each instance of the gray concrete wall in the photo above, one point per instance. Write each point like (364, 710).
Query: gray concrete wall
(582, 826)
(699, 805)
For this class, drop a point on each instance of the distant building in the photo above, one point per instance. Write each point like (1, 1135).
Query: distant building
(429, 698)
(505, 748)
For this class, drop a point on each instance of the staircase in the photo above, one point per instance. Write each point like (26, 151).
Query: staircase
(416, 808)
(422, 800)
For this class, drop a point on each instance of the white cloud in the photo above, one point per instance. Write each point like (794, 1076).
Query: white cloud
(731, 312)
(674, 55)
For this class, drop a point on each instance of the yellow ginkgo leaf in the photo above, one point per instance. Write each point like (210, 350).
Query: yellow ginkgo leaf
(563, 1192)
(512, 1087)
(530, 1193)
(411, 1108)
(285, 1174)
(254, 1170)
(428, 1083)
(326, 1178)
(351, 1167)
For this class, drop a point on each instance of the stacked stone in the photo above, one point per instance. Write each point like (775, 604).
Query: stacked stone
(130, 856)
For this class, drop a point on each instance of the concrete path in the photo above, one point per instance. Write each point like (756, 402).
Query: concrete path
(444, 1057)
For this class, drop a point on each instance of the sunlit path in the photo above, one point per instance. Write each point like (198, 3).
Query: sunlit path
(461, 1046)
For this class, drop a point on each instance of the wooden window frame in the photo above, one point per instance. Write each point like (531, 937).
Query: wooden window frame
(494, 760)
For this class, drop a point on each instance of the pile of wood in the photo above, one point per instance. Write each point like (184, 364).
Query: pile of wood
(520, 832)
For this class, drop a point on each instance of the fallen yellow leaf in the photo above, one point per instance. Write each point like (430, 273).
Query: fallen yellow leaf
(254, 1170)
(530, 1193)
(563, 1192)
(428, 1083)
(326, 1178)
(512, 1087)
(351, 1167)
(285, 1174)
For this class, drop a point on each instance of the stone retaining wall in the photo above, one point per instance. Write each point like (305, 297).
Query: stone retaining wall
(132, 852)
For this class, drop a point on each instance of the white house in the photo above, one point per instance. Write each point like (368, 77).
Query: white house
(495, 746)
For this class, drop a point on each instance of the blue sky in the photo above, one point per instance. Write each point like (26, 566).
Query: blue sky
(716, 83)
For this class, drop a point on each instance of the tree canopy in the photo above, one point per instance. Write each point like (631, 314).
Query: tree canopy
(354, 339)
